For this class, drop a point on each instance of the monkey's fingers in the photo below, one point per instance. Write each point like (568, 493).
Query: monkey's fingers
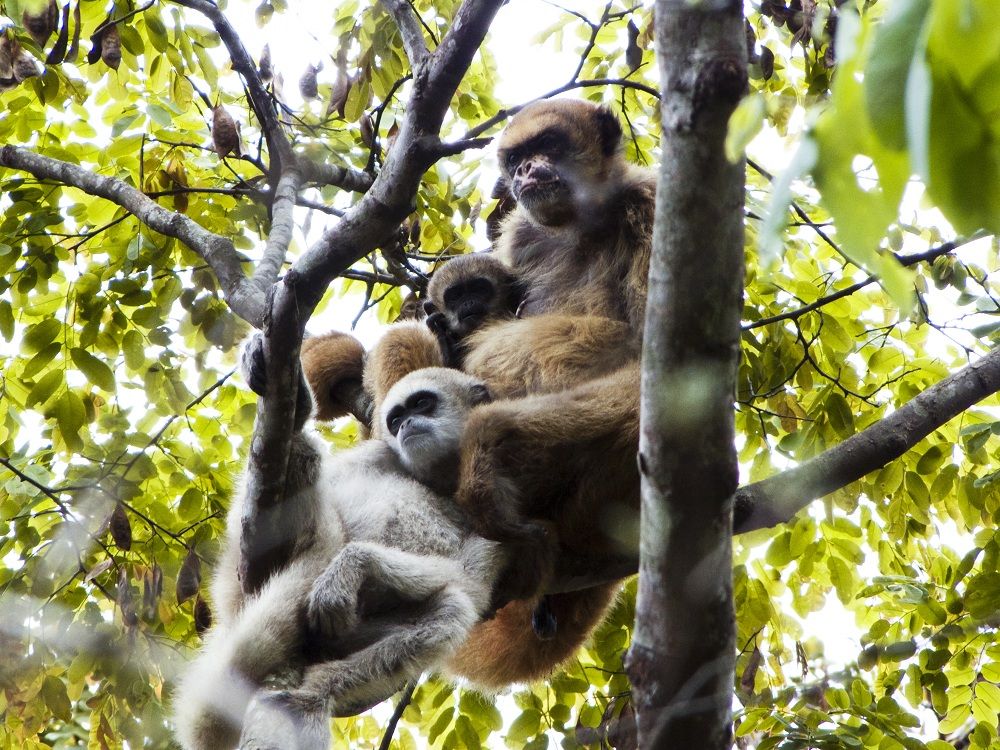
(252, 363)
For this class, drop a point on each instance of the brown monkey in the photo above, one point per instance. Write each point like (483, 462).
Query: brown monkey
(579, 241)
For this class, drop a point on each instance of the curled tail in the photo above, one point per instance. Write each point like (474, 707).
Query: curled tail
(211, 698)
(505, 650)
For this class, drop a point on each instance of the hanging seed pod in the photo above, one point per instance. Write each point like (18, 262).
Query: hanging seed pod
(367, 131)
(58, 51)
(338, 94)
(25, 67)
(121, 529)
(633, 52)
(41, 25)
(225, 132)
(9, 49)
(189, 577)
(307, 83)
(202, 616)
(111, 47)
(264, 69)
(124, 599)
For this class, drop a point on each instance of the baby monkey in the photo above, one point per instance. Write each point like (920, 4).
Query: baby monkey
(465, 293)
(384, 581)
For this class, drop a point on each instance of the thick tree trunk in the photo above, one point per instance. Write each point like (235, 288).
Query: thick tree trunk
(683, 652)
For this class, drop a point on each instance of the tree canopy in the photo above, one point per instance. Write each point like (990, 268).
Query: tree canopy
(157, 175)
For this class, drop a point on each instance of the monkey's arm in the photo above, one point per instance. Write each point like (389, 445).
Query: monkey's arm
(563, 457)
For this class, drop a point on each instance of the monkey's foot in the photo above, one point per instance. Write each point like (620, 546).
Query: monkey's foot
(278, 721)
(330, 614)
(543, 620)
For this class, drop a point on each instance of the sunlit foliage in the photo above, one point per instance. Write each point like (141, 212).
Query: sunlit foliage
(123, 427)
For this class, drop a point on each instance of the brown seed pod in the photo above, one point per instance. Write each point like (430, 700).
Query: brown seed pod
(225, 132)
(124, 599)
(338, 94)
(25, 67)
(633, 52)
(121, 529)
(111, 47)
(264, 69)
(367, 131)
(41, 25)
(202, 616)
(189, 577)
(9, 49)
(307, 83)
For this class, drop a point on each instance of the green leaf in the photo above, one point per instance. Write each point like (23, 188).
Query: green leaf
(40, 335)
(982, 595)
(744, 124)
(897, 41)
(42, 390)
(94, 369)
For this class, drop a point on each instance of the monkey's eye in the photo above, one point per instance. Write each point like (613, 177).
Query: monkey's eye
(394, 420)
(511, 161)
(422, 402)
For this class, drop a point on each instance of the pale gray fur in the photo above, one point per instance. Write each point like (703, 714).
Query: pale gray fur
(374, 533)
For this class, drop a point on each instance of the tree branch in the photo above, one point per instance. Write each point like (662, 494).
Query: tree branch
(329, 174)
(905, 260)
(217, 250)
(409, 31)
(778, 498)
(282, 224)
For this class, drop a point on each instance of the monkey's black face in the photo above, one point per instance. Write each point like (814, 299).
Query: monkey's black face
(412, 418)
(468, 303)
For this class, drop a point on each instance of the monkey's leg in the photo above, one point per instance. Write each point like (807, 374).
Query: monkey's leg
(413, 646)
(333, 605)
(263, 640)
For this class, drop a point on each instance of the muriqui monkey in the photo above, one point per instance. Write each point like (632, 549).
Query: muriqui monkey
(385, 580)
(578, 243)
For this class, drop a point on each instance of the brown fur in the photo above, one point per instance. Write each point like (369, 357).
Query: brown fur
(329, 362)
(566, 453)
(405, 347)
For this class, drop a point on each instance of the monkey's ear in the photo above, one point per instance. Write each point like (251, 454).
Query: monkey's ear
(480, 394)
(609, 129)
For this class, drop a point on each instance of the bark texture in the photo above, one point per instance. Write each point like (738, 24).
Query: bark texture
(683, 652)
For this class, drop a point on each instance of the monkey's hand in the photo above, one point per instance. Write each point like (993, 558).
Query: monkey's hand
(437, 322)
(530, 566)
(253, 365)
(332, 608)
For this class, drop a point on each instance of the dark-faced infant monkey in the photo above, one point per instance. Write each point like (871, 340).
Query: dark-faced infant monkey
(386, 580)
(464, 294)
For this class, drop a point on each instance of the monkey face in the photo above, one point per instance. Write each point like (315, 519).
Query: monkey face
(413, 420)
(556, 155)
(468, 303)
(424, 417)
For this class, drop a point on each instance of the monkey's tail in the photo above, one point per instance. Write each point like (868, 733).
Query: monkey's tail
(264, 638)
(506, 650)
